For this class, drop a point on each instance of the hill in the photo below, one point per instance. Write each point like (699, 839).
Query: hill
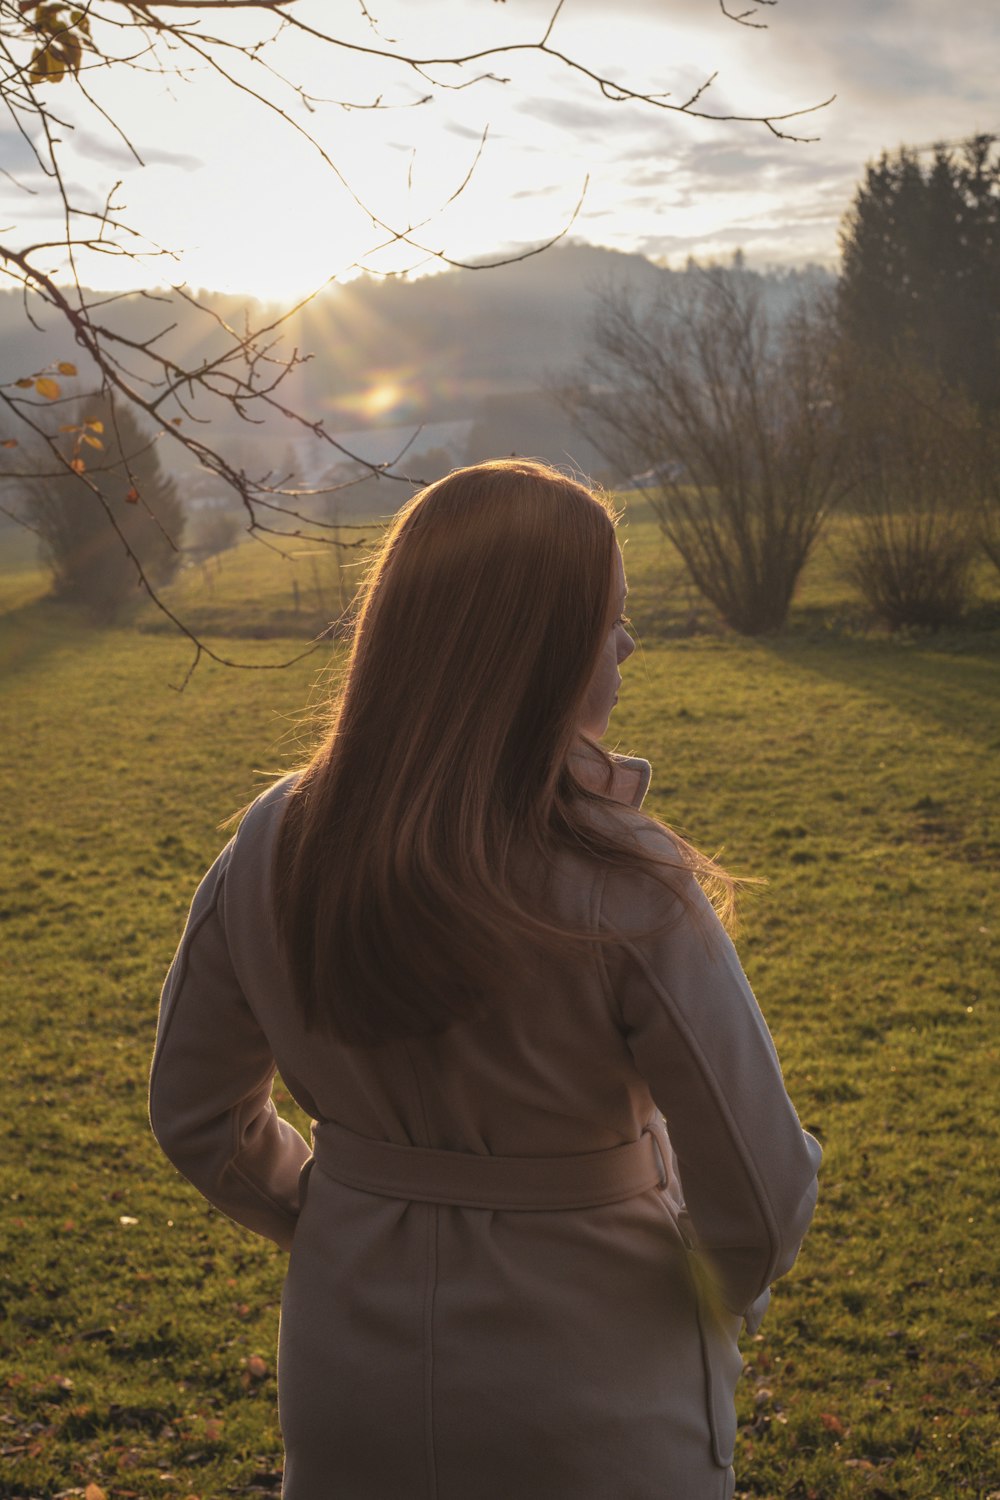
(479, 347)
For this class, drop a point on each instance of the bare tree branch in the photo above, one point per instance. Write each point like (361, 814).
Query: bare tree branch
(746, 17)
(245, 371)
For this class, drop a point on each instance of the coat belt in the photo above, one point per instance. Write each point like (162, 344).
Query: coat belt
(467, 1180)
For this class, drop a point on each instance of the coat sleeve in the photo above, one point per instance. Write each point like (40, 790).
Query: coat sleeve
(747, 1168)
(210, 1086)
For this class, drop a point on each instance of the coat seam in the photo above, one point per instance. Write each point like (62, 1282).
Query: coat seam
(764, 1204)
(614, 1003)
(430, 1288)
(229, 1166)
(425, 1128)
(181, 978)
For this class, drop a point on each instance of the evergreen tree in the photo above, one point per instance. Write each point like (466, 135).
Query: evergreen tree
(921, 265)
(85, 536)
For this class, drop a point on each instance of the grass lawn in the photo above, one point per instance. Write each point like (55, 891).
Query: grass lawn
(859, 774)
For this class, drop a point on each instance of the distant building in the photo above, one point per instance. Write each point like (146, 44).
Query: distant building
(669, 472)
(395, 447)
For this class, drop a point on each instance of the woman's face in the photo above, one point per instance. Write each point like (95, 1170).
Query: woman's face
(602, 693)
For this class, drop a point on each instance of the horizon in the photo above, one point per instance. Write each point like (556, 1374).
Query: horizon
(269, 221)
(435, 271)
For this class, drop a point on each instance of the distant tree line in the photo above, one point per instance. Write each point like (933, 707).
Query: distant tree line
(883, 400)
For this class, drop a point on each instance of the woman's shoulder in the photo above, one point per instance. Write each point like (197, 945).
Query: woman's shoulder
(260, 820)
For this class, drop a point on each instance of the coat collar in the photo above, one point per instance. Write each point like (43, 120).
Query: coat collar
(636, 775)
(630, 775)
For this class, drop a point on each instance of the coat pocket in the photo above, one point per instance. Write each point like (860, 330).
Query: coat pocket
(304, 1174)
(721, 1358)
(718, 1328)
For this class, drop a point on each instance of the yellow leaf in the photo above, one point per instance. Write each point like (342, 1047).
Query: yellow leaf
(50, 18)
(25, 383)
(96, 426)
(45, 66)
(91, 442)
(65, 368)
(47, 387)
(94, 1492)
(67, 53)
(67, 427)
(77, 465)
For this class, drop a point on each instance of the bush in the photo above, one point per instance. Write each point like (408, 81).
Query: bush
(731, 412)
(912, 573)
(989, 491)
(913, 447)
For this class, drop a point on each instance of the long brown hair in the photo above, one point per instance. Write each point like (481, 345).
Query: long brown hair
(484, 615)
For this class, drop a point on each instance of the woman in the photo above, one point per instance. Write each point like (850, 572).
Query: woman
(487, 976)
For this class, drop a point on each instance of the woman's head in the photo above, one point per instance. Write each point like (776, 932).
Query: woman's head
(490, 626)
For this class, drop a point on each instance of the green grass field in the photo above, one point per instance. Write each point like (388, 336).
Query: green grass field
(859, 774)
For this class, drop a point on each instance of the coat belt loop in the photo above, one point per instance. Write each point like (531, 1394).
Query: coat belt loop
(654, 1130)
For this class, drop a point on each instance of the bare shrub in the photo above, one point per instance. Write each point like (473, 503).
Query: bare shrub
(913, 449)
(732, 412)
(989, 491)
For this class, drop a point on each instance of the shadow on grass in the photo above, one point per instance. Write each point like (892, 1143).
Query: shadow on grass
(951, 676)
(31, 633)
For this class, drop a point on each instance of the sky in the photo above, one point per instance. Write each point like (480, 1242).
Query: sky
(247, 203)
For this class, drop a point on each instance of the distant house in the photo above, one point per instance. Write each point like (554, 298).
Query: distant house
(394, 447)
(668, 472)
(205, 493)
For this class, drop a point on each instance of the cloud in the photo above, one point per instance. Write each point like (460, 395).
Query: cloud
(570, 115)
(764, 245)
(17, 157)
(882, 54)
(901, 68)
(465, 132)
(114, 153)
(706, 168)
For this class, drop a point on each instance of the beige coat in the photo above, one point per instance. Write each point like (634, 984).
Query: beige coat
(515, 1350)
